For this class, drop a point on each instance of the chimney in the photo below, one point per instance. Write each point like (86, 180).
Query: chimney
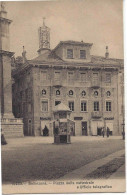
(106, 53)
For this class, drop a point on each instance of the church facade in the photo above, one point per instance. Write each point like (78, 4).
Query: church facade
(68, 74)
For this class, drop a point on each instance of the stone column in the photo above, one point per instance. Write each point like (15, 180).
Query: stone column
(6, 86)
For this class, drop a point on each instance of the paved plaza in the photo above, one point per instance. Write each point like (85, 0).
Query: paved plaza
(37, 158)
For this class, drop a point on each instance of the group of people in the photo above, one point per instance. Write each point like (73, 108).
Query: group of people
(107, 132)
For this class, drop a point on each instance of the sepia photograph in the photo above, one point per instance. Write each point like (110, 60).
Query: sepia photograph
(62, 96)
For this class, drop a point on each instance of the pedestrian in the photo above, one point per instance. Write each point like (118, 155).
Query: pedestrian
(123, 135)
(103, 132)
(3, 140)
(107, 132)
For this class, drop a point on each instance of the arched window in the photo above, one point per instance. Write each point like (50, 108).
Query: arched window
(43, 92)
(71, 92)
(108, 93)
(96, 93)
(57, 92)
(83, 93)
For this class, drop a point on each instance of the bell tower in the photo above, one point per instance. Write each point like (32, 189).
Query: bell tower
(44, 37)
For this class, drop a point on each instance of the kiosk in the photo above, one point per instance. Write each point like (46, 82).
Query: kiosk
(62, 124)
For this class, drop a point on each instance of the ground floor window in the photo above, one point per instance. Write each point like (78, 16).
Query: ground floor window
(108, 106)
(96, 106)
(71, 105)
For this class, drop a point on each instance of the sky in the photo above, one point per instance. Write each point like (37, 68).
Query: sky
(94, 21)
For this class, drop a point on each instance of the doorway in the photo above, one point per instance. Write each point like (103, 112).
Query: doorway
(84, 128)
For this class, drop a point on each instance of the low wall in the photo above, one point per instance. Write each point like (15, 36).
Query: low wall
(12, 128)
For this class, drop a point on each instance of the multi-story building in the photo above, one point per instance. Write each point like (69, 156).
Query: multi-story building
(68, 74)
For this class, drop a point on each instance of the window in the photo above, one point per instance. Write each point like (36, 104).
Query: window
(83, 93)
(57, 102)
(26, 94)
(70, 53)
(70, 76)
(57, 75)
(29, 107)
(29, 94)
(82, 54)
(95, 77)
(44, 106)
(83, 106)
(21, 96)
(57, 92)
(43, 92)
(108, 78)
(71, 92)
(83, 77)
(108, 93)
(108, 106)
(71, 105)
(43, 75)
(96, 93)
(96, 106)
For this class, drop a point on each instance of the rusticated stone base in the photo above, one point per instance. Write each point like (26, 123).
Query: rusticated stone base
(12, 128)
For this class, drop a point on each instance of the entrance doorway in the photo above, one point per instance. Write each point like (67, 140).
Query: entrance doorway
(84, 128)
(99, 131)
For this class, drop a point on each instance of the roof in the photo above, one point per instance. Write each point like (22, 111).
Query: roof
(103, 60)
(47, 56)
(70, 42)
(61, 107)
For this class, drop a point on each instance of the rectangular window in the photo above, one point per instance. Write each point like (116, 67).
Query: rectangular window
(44, 106)
(57, 75)
(108, 78)
(96, 106)
(29, 94)
(21, 96)
(70, 76)
(83, 106)
(29, 107)
(108, 106)
(82, 54)
(26, 94)
(43, 75)
(71, 105)
(83, 77)
(70, 53)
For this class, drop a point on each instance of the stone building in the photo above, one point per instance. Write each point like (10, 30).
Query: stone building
(11, 126)
(71, 75)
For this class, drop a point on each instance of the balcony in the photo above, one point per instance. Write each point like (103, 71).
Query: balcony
(96, 114)
(57, 83)
(95, 84)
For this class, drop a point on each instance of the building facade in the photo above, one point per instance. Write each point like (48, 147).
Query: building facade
(68, 74)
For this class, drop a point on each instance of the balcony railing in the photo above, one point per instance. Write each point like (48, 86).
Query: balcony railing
(96, 114)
